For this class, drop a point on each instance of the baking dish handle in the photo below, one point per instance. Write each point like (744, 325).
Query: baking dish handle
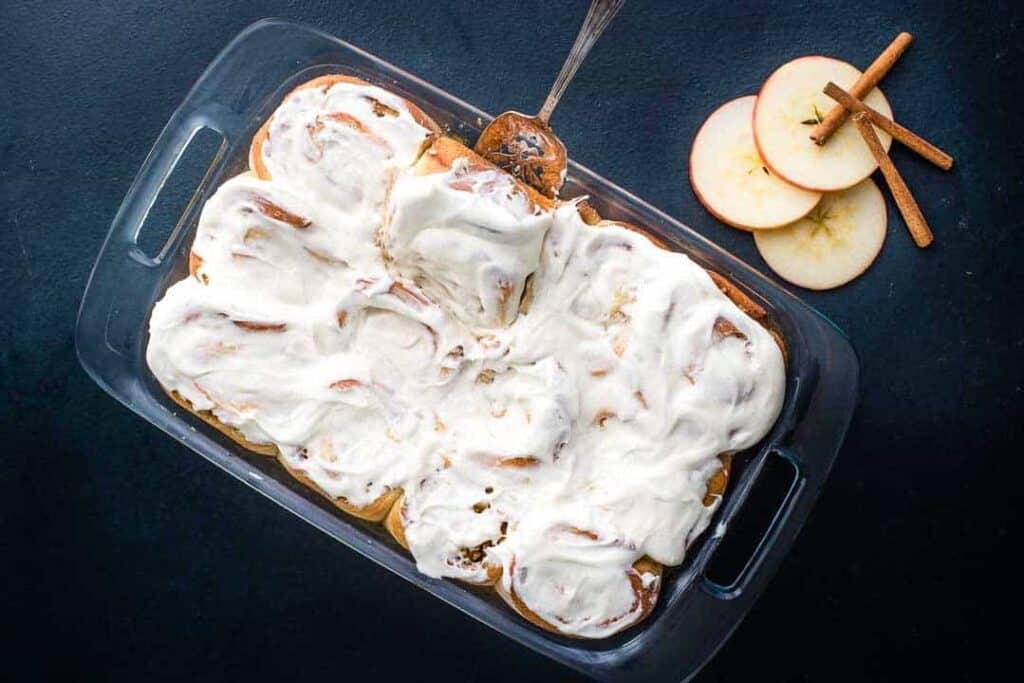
(811, 448)
(121, 283)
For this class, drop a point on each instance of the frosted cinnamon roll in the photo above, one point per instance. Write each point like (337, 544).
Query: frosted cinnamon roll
(340, 142)
(468, 232)
(250, 230)
(578, 576)
(502, 434)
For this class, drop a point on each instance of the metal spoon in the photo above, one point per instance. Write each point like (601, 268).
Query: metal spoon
(525, 145)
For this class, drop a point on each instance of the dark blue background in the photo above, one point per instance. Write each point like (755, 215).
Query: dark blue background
(129, 558)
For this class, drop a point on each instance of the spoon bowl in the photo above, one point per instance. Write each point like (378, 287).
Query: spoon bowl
(525, 146)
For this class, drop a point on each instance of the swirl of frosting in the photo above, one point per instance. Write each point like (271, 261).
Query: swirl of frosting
(502, 435)
(340, 142)
(467, 232)
(576, 575)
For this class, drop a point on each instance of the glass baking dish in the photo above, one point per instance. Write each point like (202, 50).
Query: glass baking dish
(232, 98)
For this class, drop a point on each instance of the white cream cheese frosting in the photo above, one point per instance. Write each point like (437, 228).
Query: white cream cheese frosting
(471, 240)
(340, 147)
(362, 317)
(572, 567)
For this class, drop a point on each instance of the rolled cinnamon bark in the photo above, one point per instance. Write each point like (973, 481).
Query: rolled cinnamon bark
(865, 84)
(908, 207)
(904, 135)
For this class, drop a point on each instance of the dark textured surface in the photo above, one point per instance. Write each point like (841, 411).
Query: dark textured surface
(130, 558)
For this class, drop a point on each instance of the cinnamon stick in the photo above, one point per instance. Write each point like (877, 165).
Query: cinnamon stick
(900, 133)
(905, 202)
(865, 84)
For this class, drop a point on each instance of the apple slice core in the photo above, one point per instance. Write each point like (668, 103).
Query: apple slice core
(837, 241)
(730, 179)
(791, 103)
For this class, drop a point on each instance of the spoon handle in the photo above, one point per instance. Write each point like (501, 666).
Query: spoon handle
(599, 16)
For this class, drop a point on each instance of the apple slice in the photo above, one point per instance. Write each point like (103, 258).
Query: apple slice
(730, 179)
(831, 245)
(790, 105)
